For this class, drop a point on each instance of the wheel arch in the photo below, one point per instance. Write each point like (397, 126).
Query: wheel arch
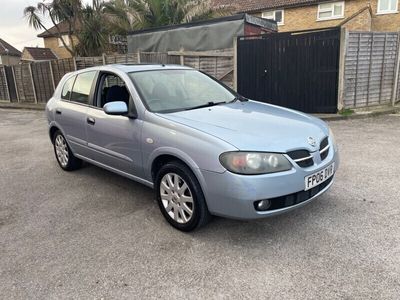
(52, 131)
(165, 155)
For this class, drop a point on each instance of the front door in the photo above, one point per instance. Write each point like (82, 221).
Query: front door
(113, 141)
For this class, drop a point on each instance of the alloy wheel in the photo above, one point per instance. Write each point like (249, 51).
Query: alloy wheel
(176, 198)
(61, 150)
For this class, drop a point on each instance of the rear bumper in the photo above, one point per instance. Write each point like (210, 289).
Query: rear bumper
(233, 196)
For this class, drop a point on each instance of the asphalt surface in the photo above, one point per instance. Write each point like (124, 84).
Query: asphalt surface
(91, 234)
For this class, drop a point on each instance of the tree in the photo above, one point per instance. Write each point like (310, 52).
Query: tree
(94, 31)
(69, 11)
(92, 24)
(128, 15)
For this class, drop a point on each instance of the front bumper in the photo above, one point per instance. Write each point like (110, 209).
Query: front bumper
(233, 195)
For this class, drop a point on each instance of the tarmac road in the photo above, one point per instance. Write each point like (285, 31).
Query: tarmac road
(91, 234)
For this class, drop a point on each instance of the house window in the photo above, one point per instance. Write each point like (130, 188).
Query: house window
(387, 6)
(328, 11)
(276, 15)
(65, 37)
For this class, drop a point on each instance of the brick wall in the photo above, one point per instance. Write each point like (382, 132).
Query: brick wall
(306, 17)
(386, 22)
(303, 18)
(361, 22)
(61, 52)
(26, 55)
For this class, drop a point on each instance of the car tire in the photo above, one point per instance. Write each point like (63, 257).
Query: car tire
(65, 158)
(178, 193)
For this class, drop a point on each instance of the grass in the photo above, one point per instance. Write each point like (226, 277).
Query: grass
(346, 112)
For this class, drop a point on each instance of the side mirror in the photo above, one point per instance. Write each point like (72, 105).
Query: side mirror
(115, 108)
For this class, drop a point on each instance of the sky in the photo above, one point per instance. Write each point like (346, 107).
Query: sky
(14, 27)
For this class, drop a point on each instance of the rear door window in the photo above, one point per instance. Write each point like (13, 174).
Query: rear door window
(67, 88)
(83, 85)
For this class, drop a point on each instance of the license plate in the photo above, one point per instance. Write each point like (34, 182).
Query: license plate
(319, 177)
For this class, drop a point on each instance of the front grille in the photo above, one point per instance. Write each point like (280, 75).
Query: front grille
(302, 157)
(324, 148)
(296, 198)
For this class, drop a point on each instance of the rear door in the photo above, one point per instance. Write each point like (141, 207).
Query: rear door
(114, 141)
(72, 110)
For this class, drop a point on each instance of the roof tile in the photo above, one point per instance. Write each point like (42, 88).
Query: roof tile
(40, 53)
(4, 46)
(258, 5)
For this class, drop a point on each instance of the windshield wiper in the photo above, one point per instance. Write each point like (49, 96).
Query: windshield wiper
(208, 104)
(239, 98)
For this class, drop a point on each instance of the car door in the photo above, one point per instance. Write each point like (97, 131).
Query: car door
(114, 141)
(71, 111)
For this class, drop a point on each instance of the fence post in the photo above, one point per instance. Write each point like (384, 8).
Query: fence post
(6, 83)
(235, 57)
(342, 66)
(75, 65)
(33, 83)
(52, 75)
(370, 65)
(357, 70)
(182, 57)
(396, 70)
(138, 56)
(15, 83)
(383, 69)
(104, 59)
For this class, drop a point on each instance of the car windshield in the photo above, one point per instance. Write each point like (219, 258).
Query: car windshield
(174, 90)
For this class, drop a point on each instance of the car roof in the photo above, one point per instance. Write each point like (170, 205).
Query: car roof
(127, 68)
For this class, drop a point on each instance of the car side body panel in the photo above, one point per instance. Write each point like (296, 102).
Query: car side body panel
(115, 141)
(129, 146)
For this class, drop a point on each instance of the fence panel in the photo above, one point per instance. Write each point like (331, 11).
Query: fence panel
(218, 67)
(34, 82)
(43, 82)
(369, 68)
(129, 58)
(397, 99)
(3, 85)
(12, 93)
(24, 83)
(61, 67)
(87, 62)
(158, 58)
(217, 63)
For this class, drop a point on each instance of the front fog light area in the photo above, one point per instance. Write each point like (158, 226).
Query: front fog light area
(262, 205)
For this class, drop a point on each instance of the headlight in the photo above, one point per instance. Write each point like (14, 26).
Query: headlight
(252, 163)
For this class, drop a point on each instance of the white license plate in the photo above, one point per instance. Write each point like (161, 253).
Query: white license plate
(319, 177)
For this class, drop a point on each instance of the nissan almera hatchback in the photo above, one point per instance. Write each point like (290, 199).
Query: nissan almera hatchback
(203, 148)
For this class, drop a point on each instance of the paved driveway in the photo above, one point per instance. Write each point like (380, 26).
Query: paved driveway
(92, 234)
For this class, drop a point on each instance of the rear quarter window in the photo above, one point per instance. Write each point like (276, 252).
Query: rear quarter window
(67, 88)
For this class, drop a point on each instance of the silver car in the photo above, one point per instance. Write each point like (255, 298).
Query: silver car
(203, 148)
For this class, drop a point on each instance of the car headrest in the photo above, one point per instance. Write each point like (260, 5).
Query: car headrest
(117, 93)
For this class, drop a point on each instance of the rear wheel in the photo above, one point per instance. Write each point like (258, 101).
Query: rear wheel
(180, 197)
(64, 155)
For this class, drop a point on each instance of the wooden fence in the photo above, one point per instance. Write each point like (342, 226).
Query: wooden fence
(35, 82)
(371, 69)
(368, 75)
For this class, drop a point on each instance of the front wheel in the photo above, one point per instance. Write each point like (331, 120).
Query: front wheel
(180, 197)
(64, 155)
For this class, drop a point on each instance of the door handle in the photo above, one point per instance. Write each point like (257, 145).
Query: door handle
(58, 112)
(90, 120)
